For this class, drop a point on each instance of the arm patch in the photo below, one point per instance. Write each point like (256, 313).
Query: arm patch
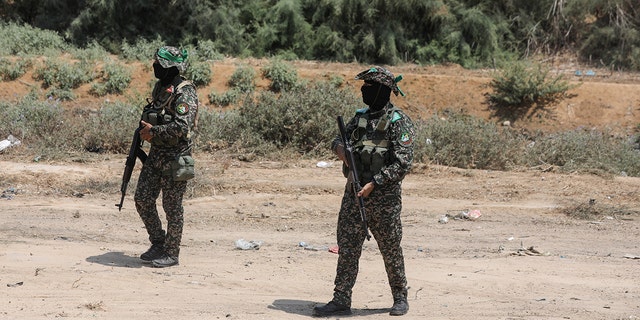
(405, 139)
(182, 108)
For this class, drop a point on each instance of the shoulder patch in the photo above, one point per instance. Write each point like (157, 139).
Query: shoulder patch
(182, 108)
(396, 116)
(405, 139)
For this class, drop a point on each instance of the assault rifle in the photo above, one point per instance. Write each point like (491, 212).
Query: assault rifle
(353, 172)
(135, 151)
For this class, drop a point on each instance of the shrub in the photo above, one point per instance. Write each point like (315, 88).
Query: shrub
(302, 119)
(23, 39)
(585, 151)
(466, 142)
(111, 129)
(64, 75)
(142, 50)
(519, 86)
(282, 75)
(207, 50)
(199, 72)
(42, 125)
(241, 83)
(224, 99)
(114, 79)
(243, 79)
(60, 94)
(92, 51)
(13, 70)
(223, 129)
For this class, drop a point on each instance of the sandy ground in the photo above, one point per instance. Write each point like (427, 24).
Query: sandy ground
(68, 253)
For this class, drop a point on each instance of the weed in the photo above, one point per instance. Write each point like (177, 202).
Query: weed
(592, 210)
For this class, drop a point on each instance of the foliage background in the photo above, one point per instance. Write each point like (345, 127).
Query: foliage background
(467, 32)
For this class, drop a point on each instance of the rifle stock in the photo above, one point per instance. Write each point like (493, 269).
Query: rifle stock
(353, 172)
(135, 151)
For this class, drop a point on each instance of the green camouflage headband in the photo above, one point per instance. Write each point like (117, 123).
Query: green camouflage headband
(169, 57)
(382, 76)
(166, 54)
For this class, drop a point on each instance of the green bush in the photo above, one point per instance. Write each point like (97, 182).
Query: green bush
(303, 119)
(224, 99)
(114, 79)
(208, 51)
(64, 75)
(41, 125)
(199, 72)
(241, 83)
(111, 129)
(91, 52)
(585, 151)
(141, 50)
(464, 141)
(24, 39)
(12, 70)
(520, 85)
(282, 75)
(60, 94)
(223, 129)
(243, 79)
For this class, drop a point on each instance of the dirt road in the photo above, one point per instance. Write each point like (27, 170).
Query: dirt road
(66, 251)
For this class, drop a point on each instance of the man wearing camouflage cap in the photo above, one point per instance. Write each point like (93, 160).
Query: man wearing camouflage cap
(167, 123)
(382, 139)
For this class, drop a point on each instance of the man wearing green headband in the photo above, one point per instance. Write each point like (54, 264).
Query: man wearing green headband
(167, 123)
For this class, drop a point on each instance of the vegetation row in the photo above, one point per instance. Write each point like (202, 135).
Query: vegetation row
(293, 117)
(467, 32)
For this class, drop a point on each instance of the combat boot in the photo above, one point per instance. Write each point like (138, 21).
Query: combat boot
(400, 304)
(155, 251)
(165, 261)
(331, 309)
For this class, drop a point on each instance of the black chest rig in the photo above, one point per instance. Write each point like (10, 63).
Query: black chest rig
(161, 110)
(371, 144)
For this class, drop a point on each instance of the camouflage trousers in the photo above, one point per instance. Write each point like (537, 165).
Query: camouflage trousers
(153, 179)
(383, 207)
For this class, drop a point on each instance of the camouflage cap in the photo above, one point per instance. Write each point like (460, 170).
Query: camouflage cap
(382, 76)
(172, 57)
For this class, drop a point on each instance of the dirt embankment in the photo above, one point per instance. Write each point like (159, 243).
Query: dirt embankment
(603, 100)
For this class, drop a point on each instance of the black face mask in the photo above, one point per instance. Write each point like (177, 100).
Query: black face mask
(375, 95)
(165, 75)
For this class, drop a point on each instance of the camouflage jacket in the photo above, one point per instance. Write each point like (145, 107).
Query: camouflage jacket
(179, 104)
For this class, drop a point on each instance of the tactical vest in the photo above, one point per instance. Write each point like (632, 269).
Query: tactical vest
(371, 153)
(158, 111)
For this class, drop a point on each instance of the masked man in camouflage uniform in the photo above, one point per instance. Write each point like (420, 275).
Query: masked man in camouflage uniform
(382, 138)
(167, 123)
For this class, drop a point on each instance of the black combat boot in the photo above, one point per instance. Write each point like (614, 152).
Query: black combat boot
(400, 304)
(331, 309)
(156, 251)
(165, 261)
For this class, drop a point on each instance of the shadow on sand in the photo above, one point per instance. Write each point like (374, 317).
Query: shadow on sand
(305, 308)
(117, 259)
